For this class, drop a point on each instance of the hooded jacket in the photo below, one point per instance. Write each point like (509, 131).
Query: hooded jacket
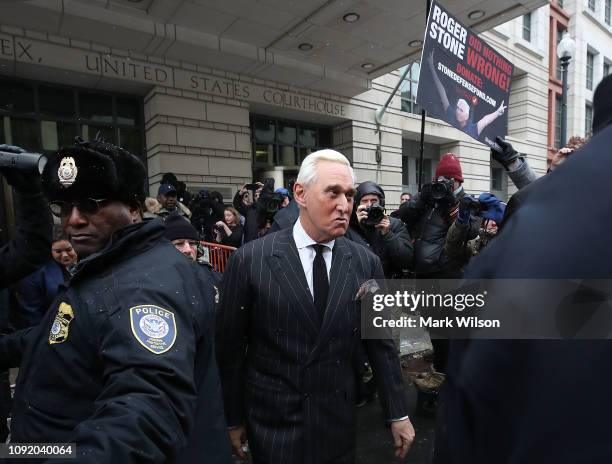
(395, 248)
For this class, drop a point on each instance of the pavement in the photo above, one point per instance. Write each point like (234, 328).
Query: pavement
(374, 442)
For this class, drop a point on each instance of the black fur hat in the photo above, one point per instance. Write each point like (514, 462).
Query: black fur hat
(96, 170)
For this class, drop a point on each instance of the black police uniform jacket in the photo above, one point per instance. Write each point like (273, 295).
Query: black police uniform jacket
(118, 364)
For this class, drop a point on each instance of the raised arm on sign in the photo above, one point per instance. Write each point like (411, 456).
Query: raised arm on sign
(489, 118)
(439, 86)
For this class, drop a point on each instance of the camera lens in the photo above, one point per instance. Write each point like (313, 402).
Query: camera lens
(438, 190)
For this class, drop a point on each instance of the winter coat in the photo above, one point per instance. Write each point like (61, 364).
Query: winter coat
(428, 225)
(123, 362)
(155, 209)
(395, 248)
(525, 400)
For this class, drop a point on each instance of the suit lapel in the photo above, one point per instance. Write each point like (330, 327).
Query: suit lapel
(288, 270)
(338, 285)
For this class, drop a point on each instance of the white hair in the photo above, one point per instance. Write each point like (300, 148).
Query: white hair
(308, 173)
(466, 105)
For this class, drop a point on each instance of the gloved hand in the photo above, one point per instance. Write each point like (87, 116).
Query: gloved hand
(24, 182)
(467, 204)
(424, 198)
(507, 155)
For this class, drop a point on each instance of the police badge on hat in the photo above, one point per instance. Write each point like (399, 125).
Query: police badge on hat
(61, 324)
(67, 171)
(153, 327)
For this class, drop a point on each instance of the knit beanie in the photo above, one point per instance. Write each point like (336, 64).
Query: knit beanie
(449, 167)
(177, 227)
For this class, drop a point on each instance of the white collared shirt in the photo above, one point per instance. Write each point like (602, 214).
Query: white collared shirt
(307, 252)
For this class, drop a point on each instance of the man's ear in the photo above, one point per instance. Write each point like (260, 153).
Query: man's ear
(299, 194)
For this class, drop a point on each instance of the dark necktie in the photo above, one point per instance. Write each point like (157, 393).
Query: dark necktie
(320, 283)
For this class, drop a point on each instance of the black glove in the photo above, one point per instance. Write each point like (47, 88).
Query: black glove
(424, 197)
(24, 182)
(467, 206)
(507, 155)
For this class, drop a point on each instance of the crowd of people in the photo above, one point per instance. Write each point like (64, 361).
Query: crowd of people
(131, 345)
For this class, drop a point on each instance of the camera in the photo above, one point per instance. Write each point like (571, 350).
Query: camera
(269, 204)
(442, 188)
(33, 162)
(376, 213)
(472, 204)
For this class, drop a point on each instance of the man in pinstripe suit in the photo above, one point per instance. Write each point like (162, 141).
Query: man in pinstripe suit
(288, 326)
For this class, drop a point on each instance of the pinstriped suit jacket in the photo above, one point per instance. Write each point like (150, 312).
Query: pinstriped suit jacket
(289, 380)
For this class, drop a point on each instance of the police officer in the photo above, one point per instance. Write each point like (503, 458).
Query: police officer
(185, 239)
(116, 364)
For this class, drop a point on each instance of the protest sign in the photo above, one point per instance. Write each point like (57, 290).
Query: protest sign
(463, 80)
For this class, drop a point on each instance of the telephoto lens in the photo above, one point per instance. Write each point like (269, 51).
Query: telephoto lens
(34, 162)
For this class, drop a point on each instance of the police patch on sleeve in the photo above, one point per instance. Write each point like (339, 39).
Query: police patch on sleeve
(153, 327)
(61, 324)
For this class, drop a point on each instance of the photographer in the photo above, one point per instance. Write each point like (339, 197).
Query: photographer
(269, 203)
(490, 209)
(430, 214)
(229, 231)
(387, 237)
(287, 216)
(259, 213)
(245, 201)
(207, 209)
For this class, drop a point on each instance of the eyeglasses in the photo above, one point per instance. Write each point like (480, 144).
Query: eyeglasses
(87, 206)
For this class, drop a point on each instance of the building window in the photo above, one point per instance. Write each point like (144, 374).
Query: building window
(497, 179)
(559, 73)
(558, 109)
(606, 69)
(607, 11)
(588, 120)
(45, 117)
(527, 27)
(408, 89)
(278, 142)
(589, 70)
(592, 5)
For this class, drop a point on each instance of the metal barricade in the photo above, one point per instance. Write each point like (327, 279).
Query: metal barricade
(216, 254)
